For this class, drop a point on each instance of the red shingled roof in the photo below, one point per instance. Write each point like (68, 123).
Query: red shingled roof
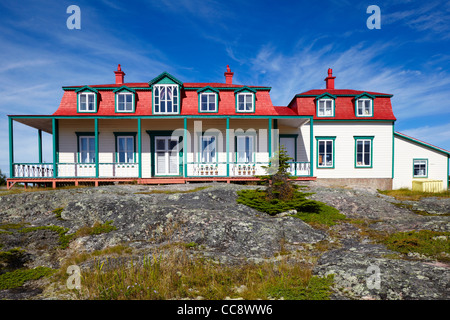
(339, 92)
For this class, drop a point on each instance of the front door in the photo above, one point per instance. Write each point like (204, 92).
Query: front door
(289, 145)
(166, 156)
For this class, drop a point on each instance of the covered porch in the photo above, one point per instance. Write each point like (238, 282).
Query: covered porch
(162, 149)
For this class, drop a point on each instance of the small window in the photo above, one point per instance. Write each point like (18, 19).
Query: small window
(244, 149)
(125, 102)
(125, 149)
(325, 153)
(420, 168)
(86, 102)
(363, 152)
(208, 149)
(325, 108)
(166, 99)
(245, 102)
(208, 102)
(364, 108)
(86, 149)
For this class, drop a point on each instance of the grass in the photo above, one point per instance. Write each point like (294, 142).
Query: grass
(172, 191)
(96, 229)
(18, 190)
(18, 277)
(407, 194)
(432, 244)
(313, 212)
(173, 274)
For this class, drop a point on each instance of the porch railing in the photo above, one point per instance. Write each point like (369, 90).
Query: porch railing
(32, 170)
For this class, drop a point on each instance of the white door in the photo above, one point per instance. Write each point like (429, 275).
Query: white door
(289, 145)
(166, 156)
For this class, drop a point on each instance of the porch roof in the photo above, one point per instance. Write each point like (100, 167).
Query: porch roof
(44, 124)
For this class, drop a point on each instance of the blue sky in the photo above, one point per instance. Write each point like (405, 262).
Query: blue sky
(288, 45)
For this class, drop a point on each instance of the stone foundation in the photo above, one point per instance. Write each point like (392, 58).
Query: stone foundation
(371, 183)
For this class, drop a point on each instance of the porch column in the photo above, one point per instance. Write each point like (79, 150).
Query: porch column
(96, 148)
(269, 138)
(185, 137)
(311, 147)
(227, 144)
(11, 147)
(40, 145)
(139, 148)
(54, 134)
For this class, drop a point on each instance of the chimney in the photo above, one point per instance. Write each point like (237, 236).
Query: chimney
(228, 76)
(119, 75)
(330, 79)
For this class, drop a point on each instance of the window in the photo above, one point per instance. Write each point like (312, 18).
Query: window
(420, 168)
(208, 147)
(125, 149)
(364, 108)
(86, 145)
(363, 156)
(166, 156)
(244, 148)
(325, 108)
(86, 102)
(325, 153)
(125, 102)
(245, 102)
(208, 102)
(166, 98)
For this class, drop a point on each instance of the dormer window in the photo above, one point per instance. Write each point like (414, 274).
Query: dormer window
(125, 99)
(325, 105)
(208, 99)
(87, 99)
(364, 108)
(165, 98)
(325, 108)
(364, 105)
(245, 100)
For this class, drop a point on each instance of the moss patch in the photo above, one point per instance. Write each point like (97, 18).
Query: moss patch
(17, 278)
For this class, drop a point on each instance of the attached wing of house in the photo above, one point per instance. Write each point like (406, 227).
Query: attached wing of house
(169, 131)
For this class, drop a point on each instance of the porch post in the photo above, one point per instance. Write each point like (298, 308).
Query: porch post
(40, 145)
(311, 147)
(185, 137)
(227, 144)
(269, 139)
(11, 147)
(54, 134)
(96, 147)
(139, 148)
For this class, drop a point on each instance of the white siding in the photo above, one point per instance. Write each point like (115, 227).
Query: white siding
(405, 152)
(344, 155)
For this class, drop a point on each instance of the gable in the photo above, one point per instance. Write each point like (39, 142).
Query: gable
(165, 78)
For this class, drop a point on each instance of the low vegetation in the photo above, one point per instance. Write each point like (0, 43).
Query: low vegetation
(407, 194)
(172, 191)
(18, 277)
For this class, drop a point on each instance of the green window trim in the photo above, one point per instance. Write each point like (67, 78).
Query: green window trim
(333, 154)
(426, 168)
(245, 91)
(200, 136)
(124, 134)
(208, 90)
(364, 138)
(79, 135)
(165, 133)
(362, 97)
(326, 97)
(122, 91)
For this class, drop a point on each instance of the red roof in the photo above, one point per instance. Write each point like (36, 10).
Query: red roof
(340, 92)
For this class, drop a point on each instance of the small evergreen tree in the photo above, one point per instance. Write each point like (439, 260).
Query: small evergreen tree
(277, 179)
(2, 178)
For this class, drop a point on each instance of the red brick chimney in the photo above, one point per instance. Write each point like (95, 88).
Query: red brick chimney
(330, 79)
(119, 75)
(228, 76)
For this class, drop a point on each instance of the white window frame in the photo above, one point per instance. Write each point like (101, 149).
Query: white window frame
(325, 163)
(363, 165)
(157, 99)
(126, 149)
(251, 144)
(246, 95)
(423, 162)
(363, 114)
(166, 151)
(209, 95)
(85, 109)
(209, 158)
(126, 103)
(323, 112)
(88, 151)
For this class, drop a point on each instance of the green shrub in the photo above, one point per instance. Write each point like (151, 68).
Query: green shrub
(17, 278)
(316, 288)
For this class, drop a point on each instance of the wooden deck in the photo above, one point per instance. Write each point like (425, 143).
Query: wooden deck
(97, 181)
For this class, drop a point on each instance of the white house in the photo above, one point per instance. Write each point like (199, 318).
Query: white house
(169, 131)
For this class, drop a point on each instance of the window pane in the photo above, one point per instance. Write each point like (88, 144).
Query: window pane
(83, 102)
(160, 144)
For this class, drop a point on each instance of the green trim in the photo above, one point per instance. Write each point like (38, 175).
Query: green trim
(419, 177)
(236, 95)
(362, 97)
(341, 95)
(97, 167)
(360, 119)
(333, 102)
(311, 147)
(325, 138)
(163, 75)
(208, 91)
(371, 150)
(167, 133)
(11, 147)
(269, 139)
(393, 151)
(82, 134)
(365, 94)
(55, 133)
(167, 113)
(398, 134)
(133, 99)
(95, 102)
(124, 134)
(185, 137)
(227, 146)
(40, 145)
(448, 172)
(124, 88)
(139, 134)
(175, 116)
(86, 88)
